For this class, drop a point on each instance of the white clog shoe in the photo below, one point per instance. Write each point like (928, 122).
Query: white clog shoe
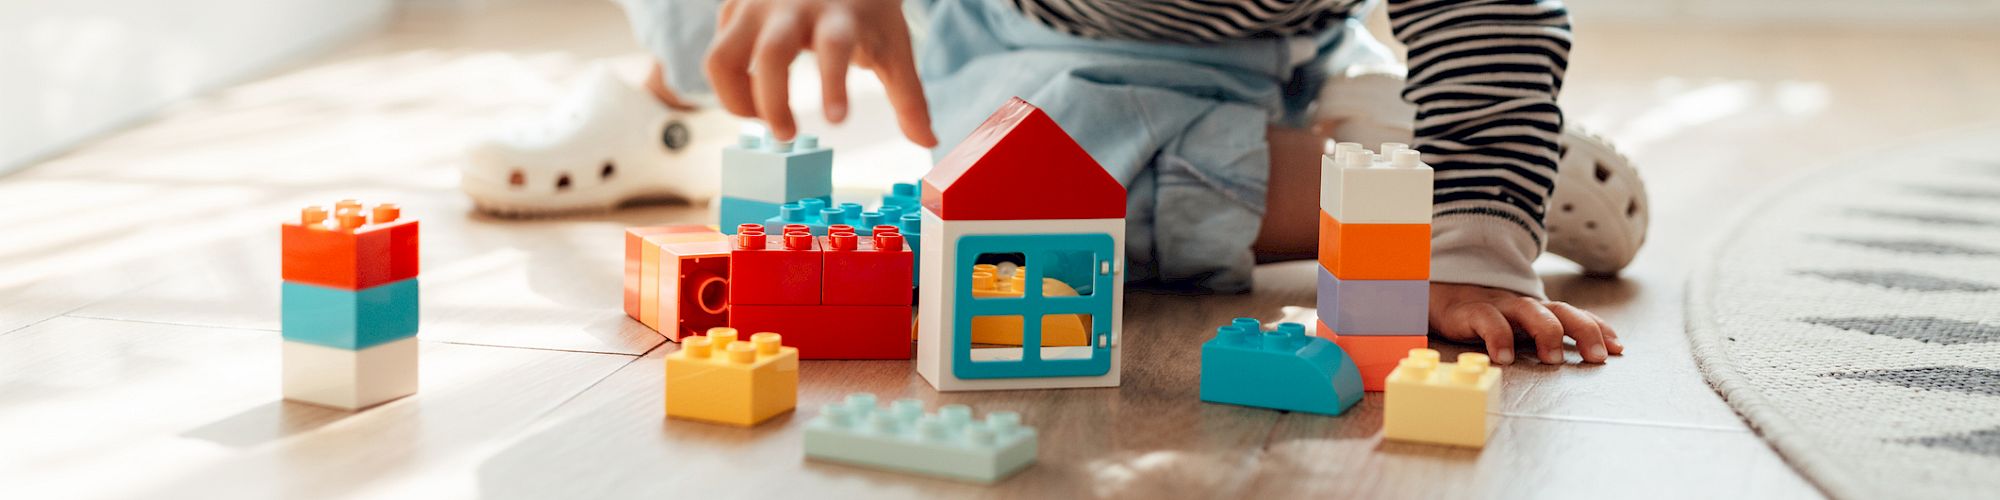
(604, 144)
(1599, 213)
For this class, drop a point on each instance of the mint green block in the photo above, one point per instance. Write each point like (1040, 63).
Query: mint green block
(902, 437)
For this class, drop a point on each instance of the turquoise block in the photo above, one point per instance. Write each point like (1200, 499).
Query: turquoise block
(1281, 369)
(913, 232)
(903, 437)
(761, 169)
(903, 196)
(738, 211)
(349, 319)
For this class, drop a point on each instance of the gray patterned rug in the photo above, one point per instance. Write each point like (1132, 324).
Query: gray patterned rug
(1853, 318)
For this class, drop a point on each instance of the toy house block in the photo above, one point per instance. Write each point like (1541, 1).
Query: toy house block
(349, 319)
(636, 270)
(980, 178)
(349, 379)
(1374, 251)
(1374, 356)
(691, 288)
(760, 168)
(975, 212)
(865, 270)
(350, 247)
(1441, 403)
(734, 212)
(1374, 307)
(832, 332)
(903, 437)
(1280, 369)
(717, 378)
(774, 270)
(1057, 329)
(1361, 188)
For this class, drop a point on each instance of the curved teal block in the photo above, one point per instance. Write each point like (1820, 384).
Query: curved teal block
(1281, 369)
(350, 319)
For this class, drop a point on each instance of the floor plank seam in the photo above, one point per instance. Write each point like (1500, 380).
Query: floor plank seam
(167, 323)
(593, 384)
(1635, 423)
(532, 348)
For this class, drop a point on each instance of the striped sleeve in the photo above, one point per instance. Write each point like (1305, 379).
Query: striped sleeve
(1484, 76)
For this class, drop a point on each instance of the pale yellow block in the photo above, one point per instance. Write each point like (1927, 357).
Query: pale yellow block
(1443, 403)
(1057, 329)
(717, 378)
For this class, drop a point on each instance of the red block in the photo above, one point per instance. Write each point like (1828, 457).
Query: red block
(350, 248)
(774, 270)
(831, 332)
(866, 270)
(980, 179)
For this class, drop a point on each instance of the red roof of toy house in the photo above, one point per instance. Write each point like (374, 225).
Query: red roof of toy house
(1020, 165)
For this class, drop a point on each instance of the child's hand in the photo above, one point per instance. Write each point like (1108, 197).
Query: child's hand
(1472, 313)
(756, 41)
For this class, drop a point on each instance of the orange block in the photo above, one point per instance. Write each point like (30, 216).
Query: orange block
(1374, 251)
(635, 258)
(691, 294)
(1375, 356)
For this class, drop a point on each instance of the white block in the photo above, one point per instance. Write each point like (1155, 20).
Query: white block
(934, 307)
(350, 380)
(1368, 189)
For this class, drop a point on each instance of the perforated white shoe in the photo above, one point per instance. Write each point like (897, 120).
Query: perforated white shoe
(1599, 213)
(603, 145)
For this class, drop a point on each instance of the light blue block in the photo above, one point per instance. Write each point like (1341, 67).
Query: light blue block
(760, 169)
(1281, 369)
(738, 211)
(913, 232)
(346, 319)
(1374, 307)
(902, 437)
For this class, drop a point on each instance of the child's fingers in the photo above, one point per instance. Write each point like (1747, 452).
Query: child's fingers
(728, 63)
(1532, 318)
(1491, 326)
(833, 45)
(897, 69)
(1611, 341)
(1579, 325)
(770, 64)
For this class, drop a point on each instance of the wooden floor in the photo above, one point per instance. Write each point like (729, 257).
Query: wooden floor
(139, 351)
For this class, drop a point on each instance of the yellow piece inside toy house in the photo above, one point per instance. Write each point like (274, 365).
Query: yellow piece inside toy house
(991, 282)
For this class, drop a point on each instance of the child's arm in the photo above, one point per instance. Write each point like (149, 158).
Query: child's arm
(758, 39)
(1484, 76)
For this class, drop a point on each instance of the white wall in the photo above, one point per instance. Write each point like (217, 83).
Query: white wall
(73, 69)
(1974, 14)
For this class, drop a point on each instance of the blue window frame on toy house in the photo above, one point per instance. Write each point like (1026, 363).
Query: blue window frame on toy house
(1083, 261)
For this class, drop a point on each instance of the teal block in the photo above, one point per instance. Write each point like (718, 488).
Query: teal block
(1281, 369)
(913, 232)
(761, 169)
(737, 211)
(902, 437)
(349, 319)
(903, 196)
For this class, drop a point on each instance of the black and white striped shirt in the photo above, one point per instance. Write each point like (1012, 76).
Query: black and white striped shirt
(1483, 75)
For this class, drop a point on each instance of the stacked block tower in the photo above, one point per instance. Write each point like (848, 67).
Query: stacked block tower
(1374, 255)
(838, 296)
(677, 279)
(760, 175)
(1016, 206)
(349, 306)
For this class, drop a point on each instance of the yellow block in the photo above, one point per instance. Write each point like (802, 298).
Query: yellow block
(1057, 329)
(716, 378)
(1442, 403)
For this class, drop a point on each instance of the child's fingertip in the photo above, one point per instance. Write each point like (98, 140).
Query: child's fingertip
(1596, 354)
(1503, 356)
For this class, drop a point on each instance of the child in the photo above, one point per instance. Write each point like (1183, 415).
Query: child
(1200, 109)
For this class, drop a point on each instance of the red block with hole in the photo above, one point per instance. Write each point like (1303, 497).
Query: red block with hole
(350, 248)
(693, 288)
(831, 332)
(865, 270)
(774, 270)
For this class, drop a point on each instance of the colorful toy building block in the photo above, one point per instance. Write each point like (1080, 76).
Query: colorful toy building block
(691, 293)
(783, 270)
(902, 196)
(349, 379)
(760, 174)
(1442, 403)
(1374, 251)
(815, 215)
(350, 248)
(865, 270)
(733, 212)
(717, 378)
(911, 226)
(1374, 307)
(1281, 369)
(1375, 356)
(973, 206)
(349, 319)
(832, 332)
(349, 305)
(1057, 329)
(903, 437)
(635, 259)
(1391, 188)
